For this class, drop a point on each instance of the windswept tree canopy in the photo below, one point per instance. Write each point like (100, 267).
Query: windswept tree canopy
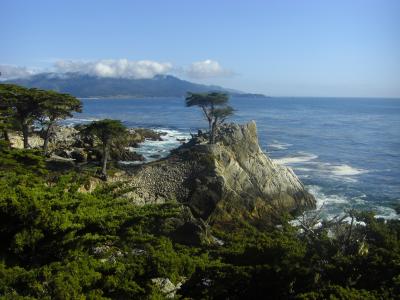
(56, 106)
(214, 106)
(25, 106)
(222, 113)
(23, 101)
(206, 99)
(107, 131)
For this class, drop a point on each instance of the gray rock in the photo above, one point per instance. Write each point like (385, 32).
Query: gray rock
(166, 286)
(79, 155)
(230, 180)
(63, 137)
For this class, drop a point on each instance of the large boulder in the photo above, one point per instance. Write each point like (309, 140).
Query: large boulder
(222, 183)
(63, 137)
(139, 135)
(252, 184)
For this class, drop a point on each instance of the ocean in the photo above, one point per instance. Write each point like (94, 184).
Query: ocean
(345, 150)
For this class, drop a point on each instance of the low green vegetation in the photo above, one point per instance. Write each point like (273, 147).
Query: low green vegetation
(59, 243)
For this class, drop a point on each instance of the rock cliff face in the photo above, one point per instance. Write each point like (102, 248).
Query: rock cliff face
(222, 183)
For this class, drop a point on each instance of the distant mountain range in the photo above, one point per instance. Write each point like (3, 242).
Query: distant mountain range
(87, 86)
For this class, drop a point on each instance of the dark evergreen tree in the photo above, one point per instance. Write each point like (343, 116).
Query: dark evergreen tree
(24, 105)
(215, 109)
(106, 131)
(54, 107)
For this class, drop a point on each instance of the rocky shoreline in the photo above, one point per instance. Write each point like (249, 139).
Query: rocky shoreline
(222, 183)
(66, 143)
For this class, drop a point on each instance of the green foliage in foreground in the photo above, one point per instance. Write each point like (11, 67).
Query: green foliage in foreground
(57, 243)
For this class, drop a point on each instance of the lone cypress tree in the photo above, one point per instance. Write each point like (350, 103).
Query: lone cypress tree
(215, 109)
(107, 131)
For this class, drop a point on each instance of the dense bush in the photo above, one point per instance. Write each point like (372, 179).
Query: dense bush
(58, 243)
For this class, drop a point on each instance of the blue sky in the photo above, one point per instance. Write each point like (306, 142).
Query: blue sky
(280, 48)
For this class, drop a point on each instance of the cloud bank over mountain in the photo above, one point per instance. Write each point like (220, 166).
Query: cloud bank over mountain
(10, 72)
(115, 68)
(124, 68)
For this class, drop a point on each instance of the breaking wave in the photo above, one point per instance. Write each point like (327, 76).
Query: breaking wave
(303, 157)
(332, 205)
(275, 145)
(346, 170)
(154, 150)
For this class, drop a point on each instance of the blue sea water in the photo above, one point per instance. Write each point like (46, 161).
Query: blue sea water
(346, 151)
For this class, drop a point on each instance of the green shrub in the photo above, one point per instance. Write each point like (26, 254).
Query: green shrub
(58, 243)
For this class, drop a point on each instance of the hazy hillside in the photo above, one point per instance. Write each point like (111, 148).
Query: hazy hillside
(92, 86)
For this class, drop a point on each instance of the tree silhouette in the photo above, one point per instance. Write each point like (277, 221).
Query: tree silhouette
(214, 107)
(54, 107)
(24, 106)
(107, 131)
(5, 120)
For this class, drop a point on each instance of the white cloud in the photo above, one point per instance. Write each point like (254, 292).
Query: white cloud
(123, 68)
(10, 72)
(120, 68)
(207, 69)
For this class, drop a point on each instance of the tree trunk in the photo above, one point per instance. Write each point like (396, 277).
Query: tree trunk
(212, 133)
(209, 125)
(25, 134)
(104, 161)
(6, 136)
(213, 122)
(47, 137)
(209, 119)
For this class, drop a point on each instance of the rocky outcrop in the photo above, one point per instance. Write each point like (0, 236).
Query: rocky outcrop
(139, 135)
(166, 287)
(221, 183)
(67, 143)
(16, 140)
(63, 137)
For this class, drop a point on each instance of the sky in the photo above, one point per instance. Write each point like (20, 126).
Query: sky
(341, 48)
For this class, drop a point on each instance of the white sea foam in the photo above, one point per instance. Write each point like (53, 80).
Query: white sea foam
(302, 169)
(275, 145)
(386, 213)
(301, 158)
(128, 162)
(74, 121)
(338, 172)
(325, 200)
(307, 163)
(346, 170)
(333, 205)
(154, 150)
